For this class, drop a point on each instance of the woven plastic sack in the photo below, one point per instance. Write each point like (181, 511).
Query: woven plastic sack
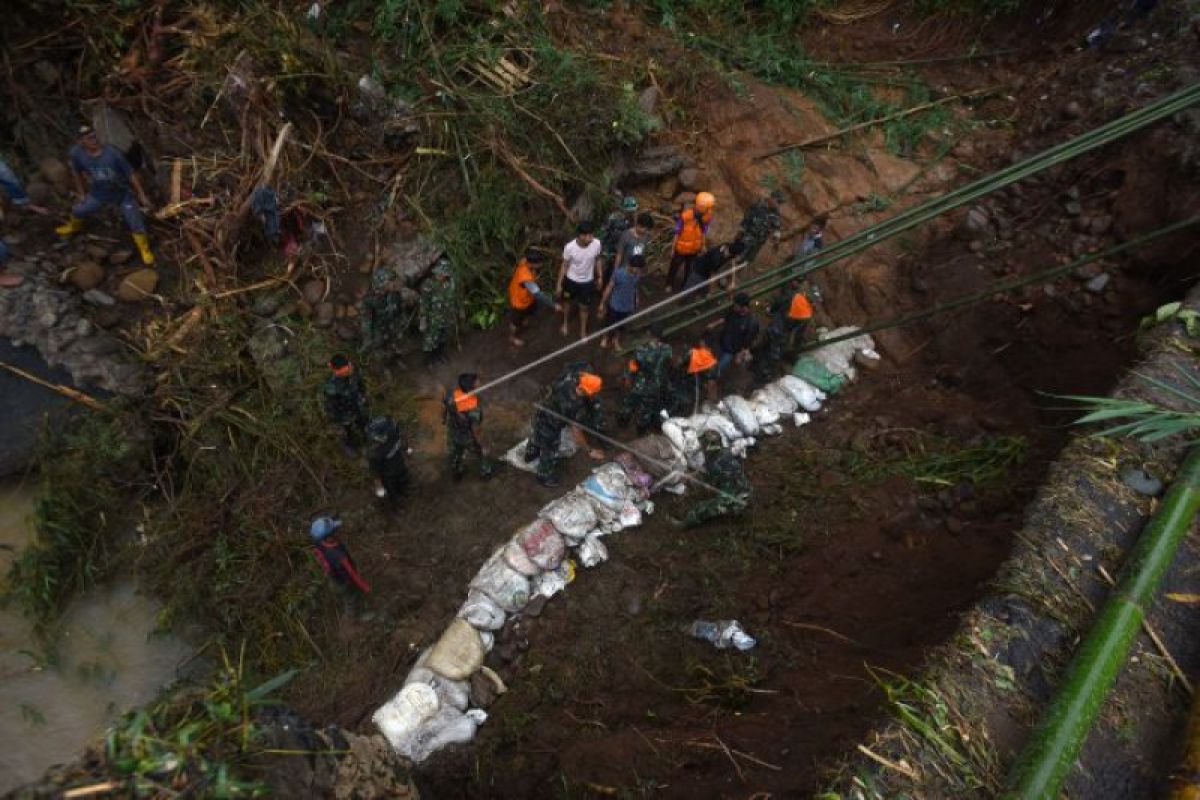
(458, 653)
(449, 726)
(567, 447)
(738, 410)
(516, 557)
(815, 373)
(592, 552)
(685, 441)
(542, 544)
(764, 415)
(609, 485)
(507, 587)
(807, 396)
(659, 457)
(482, 612)
(781, 402)
(400, 717)
(838, 357)
(449, 692)
(638, 478)
(572, 514)
(554, 581)
(718, 422)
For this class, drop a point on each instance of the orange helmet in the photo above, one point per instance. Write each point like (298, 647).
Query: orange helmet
(589, 384)
(705, 201)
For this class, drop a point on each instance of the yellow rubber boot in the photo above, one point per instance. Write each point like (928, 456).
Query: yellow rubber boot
(143, 246)
(72, 226)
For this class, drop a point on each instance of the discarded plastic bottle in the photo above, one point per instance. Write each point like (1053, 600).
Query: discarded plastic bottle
(723, 634)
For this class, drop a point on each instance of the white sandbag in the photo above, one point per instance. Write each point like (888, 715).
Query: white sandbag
(738, 410)
(658, 456)
(837, 357)
(554, 581)
(639, 479)
(572, 514)
(515, 557)
(489, 639)
(482, 612)
(740, 447)
(719, 423)
(507, 587)
(764, 415)
(631, 515)
(804, 393)
(608, 485)
(449, 726)
(458, 653)
(542, 544)
(400, 717)
(772, 430)
(592, 551)
(449, 692)
(801, 419)
(567, 447)
(776, 398)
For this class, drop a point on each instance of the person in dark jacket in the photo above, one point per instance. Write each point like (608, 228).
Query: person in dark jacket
(345, 400)
(387, 459)
(335, 559)
(737, 334)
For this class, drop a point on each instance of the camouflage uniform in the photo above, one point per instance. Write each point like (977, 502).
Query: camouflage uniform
(651, 389)
(723, 471)
(346, 405)
(760, 222)
(438, 311)
(382, 313)
(462, 437)
(780, 332)
(386, 457)
(610, 235)
(562, 399)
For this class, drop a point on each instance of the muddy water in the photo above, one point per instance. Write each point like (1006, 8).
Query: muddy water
(106, 662)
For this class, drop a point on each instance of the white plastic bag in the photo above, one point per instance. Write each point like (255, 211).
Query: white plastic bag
(801, 419)
(507, 587)
(592, 552)
(738, 410)
(400, 717)
(482, 612)
(804, 393)
(723, 634)
(572, 514)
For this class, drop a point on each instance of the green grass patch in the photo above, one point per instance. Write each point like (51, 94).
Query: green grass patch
(938, 463)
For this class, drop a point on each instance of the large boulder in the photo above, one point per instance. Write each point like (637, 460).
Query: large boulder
(412, 260)
(137, 286)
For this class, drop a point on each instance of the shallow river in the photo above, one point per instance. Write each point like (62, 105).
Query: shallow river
(106, 662)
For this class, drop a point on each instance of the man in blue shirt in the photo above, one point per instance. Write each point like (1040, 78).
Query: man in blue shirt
(620, 297)
(109, 179)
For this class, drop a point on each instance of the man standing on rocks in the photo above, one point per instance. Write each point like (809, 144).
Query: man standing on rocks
(463, 417)
(723, 471)
(437, 311)
(346, 401)
(760, 222)
(579, 277)
(387, 459)
(12, 187)
(574, 398)
(109, 178)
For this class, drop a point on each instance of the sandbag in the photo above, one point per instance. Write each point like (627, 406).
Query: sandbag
(638, 477)
(685, 441)
(719, 423)
(807, 396)
(659, 457)
(738, 410)
(781, 402)
(516, 557)
(449, 692)
(567, 447)
(815, 373)
(448, 726)
(572, 514)
(507, 587)
(838, 357)
(482, 612)
(400, 717)
(542, 543)
(554, 581)
(764, 415)
(592, 551)
(458, 653)
(608, 485)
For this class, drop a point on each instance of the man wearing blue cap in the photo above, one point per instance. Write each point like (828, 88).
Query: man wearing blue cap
(334, 558)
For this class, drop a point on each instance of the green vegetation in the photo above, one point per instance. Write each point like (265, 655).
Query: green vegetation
(1146, 421)
(940, 463)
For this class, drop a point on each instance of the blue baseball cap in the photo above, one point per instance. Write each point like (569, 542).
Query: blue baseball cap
(322, 527)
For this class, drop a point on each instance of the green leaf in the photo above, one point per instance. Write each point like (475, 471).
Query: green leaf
(279, 681)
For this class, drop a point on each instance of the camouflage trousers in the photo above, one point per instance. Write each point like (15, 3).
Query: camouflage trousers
(434, 337)
(543, 445)
(456, 452)
(641, 408)
(771, 354)
(723, 505)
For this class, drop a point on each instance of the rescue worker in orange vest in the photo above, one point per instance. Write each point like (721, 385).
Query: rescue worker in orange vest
(791, 311)
(463, 417)
(524, 294)
(699, 369)
(691, 226)
(574, 399)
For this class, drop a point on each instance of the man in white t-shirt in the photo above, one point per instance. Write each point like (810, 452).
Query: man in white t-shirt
(578, 278)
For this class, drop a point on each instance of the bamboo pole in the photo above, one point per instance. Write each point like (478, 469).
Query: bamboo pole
(65, 391)
(1044, 765)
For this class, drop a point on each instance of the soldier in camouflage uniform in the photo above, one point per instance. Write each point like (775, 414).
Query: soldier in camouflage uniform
(438, 311)
(387, 460)
(791, 311)
(382, 314)
(463, 416)
(723, 471)
(610, 235)
(760, 222)
(345, 399)
(574, 398)
(650, 386)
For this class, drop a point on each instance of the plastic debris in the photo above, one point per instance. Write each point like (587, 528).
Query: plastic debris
(592, 552)
(723, 634)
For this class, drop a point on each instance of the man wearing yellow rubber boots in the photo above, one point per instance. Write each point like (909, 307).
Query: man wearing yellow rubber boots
(109, 179)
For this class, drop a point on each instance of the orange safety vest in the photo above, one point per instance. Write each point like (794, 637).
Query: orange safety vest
(690, 240)
(700, 360)
(464, 402)
(519, 297)
(632, 366)
(800, 308)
